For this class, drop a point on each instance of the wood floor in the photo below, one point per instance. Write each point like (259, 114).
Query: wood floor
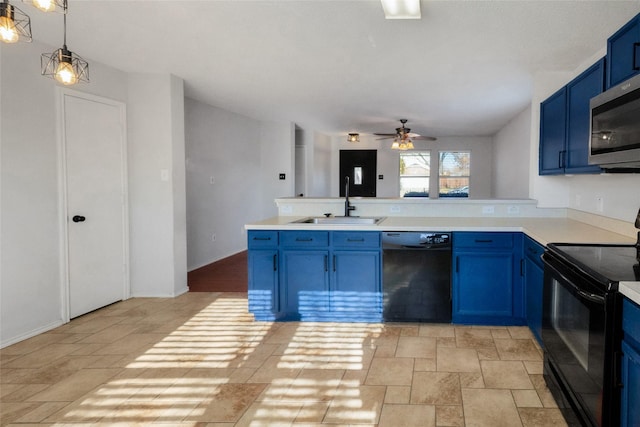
(226, 275)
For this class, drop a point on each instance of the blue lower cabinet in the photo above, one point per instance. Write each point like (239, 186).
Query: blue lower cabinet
(487, 282)
(315, 276)
(630, 394)
(305, 285)
(533, 282)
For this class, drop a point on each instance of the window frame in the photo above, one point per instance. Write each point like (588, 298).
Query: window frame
(466, 177)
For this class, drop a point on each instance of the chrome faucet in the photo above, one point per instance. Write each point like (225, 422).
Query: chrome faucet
(347, 206)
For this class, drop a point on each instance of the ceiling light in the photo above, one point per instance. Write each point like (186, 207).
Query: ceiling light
(15, 25)
(353, 137)
(47, 5)
(63, 65)
(401, 9)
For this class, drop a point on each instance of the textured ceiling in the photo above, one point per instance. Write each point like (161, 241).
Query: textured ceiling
(337, 66)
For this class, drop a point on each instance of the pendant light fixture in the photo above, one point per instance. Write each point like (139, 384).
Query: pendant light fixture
(15, 25)
(47, 5)
(63, 65)
(353, 137)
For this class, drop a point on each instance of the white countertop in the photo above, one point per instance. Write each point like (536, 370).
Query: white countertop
(542, 230)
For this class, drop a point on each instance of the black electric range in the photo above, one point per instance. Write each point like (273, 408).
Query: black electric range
(581, 330)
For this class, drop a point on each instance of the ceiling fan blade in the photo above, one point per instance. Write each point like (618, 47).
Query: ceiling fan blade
(390, 135)
(385, 137)
(424, 138)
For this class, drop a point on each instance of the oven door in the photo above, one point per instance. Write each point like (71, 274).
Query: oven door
(578, 334)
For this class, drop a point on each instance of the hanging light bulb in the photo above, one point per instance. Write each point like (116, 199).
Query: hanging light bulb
(395, 145)
(47, 5)
(15, 25)
(63, 65)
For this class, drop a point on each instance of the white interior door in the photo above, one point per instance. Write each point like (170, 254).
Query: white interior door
(94, 146)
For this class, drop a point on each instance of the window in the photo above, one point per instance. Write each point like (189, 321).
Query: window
(415, 169)
(455, 167)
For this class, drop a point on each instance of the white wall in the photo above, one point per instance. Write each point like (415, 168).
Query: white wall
(244, 156)
(621, 193)
(30, 275)
(512, 158)
(321, 172)
(389, 162)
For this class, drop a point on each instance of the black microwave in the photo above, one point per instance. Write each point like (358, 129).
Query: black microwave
(615, 127)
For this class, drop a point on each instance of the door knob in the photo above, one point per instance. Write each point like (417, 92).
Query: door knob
(78, 218)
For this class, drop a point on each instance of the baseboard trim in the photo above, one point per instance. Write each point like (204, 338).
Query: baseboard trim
(31, 334)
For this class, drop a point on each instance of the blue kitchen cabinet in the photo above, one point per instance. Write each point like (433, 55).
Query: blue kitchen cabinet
(356, 271)
(579, 92)
(623, 53)
(315, 275)
(304, 276)
(564, 125)
(553, 131)
(487, 283)
(533, 282)
(630, 393)
(263, 274)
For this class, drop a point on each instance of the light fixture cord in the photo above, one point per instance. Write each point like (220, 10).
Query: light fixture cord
(64, 17)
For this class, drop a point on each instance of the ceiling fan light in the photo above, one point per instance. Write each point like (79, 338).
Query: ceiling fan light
(15, 25)
(410, 145)
(401, 9)
(395, 145)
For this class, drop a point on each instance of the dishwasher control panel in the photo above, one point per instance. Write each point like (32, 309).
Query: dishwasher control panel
(415, 240)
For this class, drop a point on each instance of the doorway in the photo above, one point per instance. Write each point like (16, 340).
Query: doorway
(94, 205)
(361, 168)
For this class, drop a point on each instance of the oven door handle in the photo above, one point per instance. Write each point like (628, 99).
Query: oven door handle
(598, 299)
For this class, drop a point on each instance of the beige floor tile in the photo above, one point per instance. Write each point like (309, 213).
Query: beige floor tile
(526, 399)
(471, 380)
(435, 388)
(408, 416)
(390, 371)
(423, 347)
(449, 416)
(356, 405)
(474, 338)
(535, 417)
(41, 412)
(505, 374)
(410, 331)
(23, 393)
(446, 341)
(457, 360)
(424, 365)
(488, 353)
(11, 411)
(520, 332)
(437, 331)
(76, 385)
(533, 367)
(517, 349)
(229, 403)
(500, 333)
(489, 408)
(312, 412)
(398, 394)
(43, 356)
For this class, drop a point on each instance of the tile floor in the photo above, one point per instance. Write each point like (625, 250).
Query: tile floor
(200, 359)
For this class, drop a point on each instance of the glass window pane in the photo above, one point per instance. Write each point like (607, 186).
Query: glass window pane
(455, 169)
(414, 187)
(415, 169)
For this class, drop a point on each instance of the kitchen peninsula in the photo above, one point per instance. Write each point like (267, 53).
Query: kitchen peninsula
(333, 272)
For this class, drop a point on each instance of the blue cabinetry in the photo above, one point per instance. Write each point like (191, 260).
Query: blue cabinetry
(315, 275)
(623, 53)
(533, 281)
(263, 274)
(487, 283)
(564, 124)
(630, 411)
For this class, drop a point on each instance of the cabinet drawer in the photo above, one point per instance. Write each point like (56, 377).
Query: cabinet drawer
(262, 239)
(356, 239)
(631, 319)
(304, 239)
(533, 250)
(483, 240)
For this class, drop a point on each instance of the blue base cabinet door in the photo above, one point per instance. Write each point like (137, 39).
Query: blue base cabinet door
(305, 285)
(630, 393)
(263, 283)
(487, 281)
(356, 294)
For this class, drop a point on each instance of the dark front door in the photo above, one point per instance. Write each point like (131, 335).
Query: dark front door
(360, 167)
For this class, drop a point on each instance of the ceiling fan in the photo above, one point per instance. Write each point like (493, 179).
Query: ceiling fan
(402, 139)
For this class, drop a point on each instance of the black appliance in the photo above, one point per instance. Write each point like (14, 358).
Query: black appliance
(615, 128)
(416, 277)
(581, 329)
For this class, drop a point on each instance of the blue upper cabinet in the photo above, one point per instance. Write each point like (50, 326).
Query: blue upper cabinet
(579, 92)
(564, 124)
(623, 53)
(553, 132)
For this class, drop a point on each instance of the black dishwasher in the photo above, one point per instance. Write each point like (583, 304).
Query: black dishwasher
(416, 277)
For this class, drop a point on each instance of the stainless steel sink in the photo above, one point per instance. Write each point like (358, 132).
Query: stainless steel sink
(341, 220)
